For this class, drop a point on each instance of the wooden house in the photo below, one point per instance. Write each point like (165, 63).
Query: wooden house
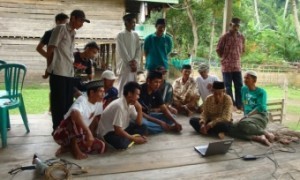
(23, 23)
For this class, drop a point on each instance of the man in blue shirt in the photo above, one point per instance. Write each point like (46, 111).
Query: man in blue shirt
(157, 47)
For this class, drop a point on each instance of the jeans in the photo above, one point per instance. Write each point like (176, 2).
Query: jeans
(236, 77)
(154, 128)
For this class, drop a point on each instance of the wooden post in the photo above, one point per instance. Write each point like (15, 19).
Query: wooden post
(107, 47)
(113, 58)
(102, 56)
(285, 97)
(227, 15)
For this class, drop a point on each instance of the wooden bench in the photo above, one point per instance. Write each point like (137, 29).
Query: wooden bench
(276, 110)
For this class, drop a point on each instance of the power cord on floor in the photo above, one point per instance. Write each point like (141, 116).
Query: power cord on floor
(270, 151)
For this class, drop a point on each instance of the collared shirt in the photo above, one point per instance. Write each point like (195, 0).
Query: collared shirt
(181, 89)
(230, 49)
(150, 101)
(117, 113)
(214, 113)
(157, 50)
(63, 39)
(254, 100)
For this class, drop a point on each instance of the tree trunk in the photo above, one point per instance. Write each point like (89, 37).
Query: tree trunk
(194, 27)
(285, 8)
(212, 35)
(296, 20)
(227, 15)
(256, 14)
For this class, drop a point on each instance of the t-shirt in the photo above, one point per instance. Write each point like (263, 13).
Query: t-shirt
(202, 85)
(82, 66)
(117, 113)
(254, 99)
(157, 50)
(149, 101)
(87, 110)
(166, 90)
(46, 37)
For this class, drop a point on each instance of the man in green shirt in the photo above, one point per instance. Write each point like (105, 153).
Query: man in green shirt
(157, 47)
(252, 126)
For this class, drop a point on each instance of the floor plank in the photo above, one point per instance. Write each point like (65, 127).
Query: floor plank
(164, 156)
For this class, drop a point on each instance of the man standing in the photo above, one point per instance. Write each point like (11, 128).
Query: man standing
(60, 65)
(60, 18)
(230, 48)
(128, 51)
(157, 47)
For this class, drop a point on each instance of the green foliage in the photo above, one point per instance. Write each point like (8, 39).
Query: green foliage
(273, 41)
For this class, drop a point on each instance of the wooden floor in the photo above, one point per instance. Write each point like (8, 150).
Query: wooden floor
(165, 156)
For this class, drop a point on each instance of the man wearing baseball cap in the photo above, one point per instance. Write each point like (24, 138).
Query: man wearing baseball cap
(60, 65)
(111, 93)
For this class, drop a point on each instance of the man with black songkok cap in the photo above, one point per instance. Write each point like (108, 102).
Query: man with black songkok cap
(157, 47)
(230, 48)
(75, 132)
(128, 52)
(216, 118)
(185, 93)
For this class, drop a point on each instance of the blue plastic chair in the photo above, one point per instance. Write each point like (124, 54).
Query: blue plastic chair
(14, 75)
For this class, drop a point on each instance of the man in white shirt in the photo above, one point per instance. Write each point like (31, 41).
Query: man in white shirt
(74, 133)
(60, 65)
(128, 52)
(205, 81)
(121, 121)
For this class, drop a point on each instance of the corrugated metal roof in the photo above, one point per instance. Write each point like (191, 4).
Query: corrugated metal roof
(161, 1)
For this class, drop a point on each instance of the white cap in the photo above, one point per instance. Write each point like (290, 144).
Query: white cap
(107, 74)
(250, 72)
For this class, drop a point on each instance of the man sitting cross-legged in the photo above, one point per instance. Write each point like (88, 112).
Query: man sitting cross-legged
(75, 132)
(157, 116)
(121, 121)
(253, 125)
(186, 97)
(217, 113)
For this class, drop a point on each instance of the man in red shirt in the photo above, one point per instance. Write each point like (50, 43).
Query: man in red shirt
(230, 48)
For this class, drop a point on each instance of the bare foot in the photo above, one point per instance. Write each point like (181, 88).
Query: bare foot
(79, 155)
(61, 150)
(262, 139)
(270, 136)
(221, 135)
(189, 113)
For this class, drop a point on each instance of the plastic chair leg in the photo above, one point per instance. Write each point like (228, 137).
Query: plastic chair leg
(23, 114)
(8, 120)
(3, 126)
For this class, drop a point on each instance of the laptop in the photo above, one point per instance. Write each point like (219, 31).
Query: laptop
(213, 148)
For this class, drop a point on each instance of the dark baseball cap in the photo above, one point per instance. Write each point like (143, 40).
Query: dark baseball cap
(79, 14)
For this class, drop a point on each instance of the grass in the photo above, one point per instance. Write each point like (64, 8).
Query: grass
(36, 99)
